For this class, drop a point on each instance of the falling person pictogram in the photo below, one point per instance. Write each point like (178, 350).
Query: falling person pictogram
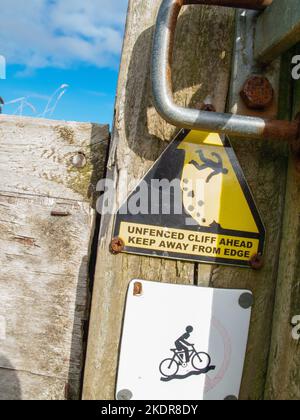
(216, 165)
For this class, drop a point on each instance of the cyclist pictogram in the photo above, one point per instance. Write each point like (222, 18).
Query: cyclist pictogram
(185, 355)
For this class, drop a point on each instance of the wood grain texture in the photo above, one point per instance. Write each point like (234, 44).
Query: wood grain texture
(44, 259)
(201, 67)
(39, 155)
(283, 380)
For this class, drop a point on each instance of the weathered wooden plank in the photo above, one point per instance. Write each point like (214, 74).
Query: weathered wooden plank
(44, 286)
(201, 68)
(39, 154)
(283, 380)
(46, 229)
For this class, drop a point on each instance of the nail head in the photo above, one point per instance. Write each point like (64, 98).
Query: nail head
(79, 160)
(257, 261)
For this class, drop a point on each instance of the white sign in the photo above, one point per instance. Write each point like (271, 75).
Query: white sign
(183, 342)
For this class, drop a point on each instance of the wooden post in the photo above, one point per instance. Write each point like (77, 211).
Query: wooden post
(202, 66)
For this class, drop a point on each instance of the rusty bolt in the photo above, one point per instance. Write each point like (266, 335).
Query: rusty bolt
(79, 160)
(257, 93)
(117, 246)
(206, 105)
(137, 289)
(257, 262)
(1, 104)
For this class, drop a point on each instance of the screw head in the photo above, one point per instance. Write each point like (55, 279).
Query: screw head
(246, 300)
(257, 262)
(231, 398)
(257, 92)
(137, 289)
(79, 160)
(124, 395)
(67, 391)
(117, 246)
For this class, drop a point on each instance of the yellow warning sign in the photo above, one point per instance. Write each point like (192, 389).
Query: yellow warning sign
(194, 204)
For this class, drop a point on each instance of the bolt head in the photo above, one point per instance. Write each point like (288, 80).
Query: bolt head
(117, 246)
(79, 160)
(257, 93)
(295, 145)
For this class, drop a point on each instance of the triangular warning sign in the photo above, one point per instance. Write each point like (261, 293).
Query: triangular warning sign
(194, 204)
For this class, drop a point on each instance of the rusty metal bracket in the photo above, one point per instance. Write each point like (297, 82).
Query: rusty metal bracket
(237, 125)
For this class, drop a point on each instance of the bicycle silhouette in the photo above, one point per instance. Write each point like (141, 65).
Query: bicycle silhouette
(200, 362)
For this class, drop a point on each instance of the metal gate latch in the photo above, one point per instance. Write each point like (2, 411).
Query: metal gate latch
(237, 125)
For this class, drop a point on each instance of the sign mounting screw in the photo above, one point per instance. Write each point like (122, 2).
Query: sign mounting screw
(117, 246)
(296, 146)
(246, 300)
(124, 395)
(257, 262)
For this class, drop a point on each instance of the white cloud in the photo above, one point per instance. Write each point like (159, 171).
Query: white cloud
(62, 33)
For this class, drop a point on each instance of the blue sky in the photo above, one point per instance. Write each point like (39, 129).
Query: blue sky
(75, 44)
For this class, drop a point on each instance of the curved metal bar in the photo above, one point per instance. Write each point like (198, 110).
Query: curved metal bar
(191, 118)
